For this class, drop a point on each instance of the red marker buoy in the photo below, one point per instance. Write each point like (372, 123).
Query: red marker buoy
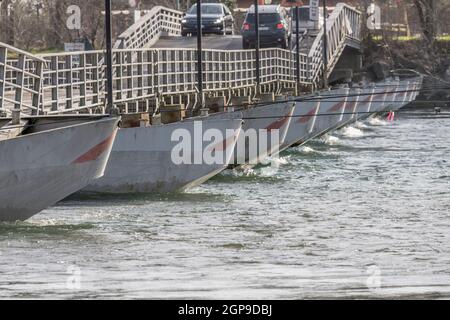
(391, 116)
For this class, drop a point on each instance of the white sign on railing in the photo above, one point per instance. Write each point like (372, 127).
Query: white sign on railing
(314, 10)
(374, 17)
(75, 47)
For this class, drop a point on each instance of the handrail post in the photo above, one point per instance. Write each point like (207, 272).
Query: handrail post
(37, 87)
(325, 46)
(199, 55)
(257, 60)
(20, 82)
(3, 61)
(297, 43)
(109, 63)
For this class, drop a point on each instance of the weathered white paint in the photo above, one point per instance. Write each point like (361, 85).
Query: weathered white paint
(141, 160)
(40, 169)
(302, 123)
(272, 116)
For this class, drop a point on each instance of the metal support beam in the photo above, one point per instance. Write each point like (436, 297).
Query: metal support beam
(258, 76)
(199, 54)
(37, 87)
(20, 78)
(3, 58)
(297, 43)
(109, 58)
(325, 45)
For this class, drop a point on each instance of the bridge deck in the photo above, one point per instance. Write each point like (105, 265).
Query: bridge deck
(152, 60)
(213, 42)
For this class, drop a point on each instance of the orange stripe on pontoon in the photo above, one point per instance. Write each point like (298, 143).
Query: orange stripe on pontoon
(279, 123)
(307, 117)
(336, 107)
(95, 152)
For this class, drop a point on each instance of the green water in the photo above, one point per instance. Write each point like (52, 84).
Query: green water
(362, 213)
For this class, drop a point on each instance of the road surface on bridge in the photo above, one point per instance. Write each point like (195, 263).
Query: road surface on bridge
(214, 42)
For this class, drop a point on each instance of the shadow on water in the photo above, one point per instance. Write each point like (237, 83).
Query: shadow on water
(87, 199)
(41, 228)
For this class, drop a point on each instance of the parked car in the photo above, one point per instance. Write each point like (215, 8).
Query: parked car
(305, 22)
(274, 27)
(216, 18)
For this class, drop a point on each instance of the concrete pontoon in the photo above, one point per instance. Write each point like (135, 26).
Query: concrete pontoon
(151, 159)
(50, 158)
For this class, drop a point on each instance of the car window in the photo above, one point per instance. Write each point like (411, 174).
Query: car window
(303, 14)
(207, 9)
(264, 18)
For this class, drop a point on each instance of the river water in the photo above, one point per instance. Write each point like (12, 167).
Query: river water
(364, 213)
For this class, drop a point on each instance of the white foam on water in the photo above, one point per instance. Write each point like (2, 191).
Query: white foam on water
(360, 125)
(239, 172)
(377, 122)
(279, 161)
(268, 171)
(275, 161)
(272, 165)
(352, 132)
(306, 149)
(42, 222)
(330, 140)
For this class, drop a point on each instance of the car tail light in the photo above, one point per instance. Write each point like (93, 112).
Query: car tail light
(280, 26)
(246, 26)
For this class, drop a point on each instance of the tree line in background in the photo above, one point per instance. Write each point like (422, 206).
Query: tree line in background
(414, 35)
(41, 25)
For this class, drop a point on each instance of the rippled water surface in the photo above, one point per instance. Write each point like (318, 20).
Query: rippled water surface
(362, 213)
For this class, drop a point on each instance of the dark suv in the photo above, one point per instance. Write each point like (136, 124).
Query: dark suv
(216, 18)
(274, 27)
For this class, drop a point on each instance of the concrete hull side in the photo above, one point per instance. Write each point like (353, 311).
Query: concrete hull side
(302, 123)
(259, 124)
(41, 169)
(143, 159)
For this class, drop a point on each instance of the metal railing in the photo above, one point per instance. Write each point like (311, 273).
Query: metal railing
(76, 81)
(20, 81)
(344, 27)
(147, 30)
(73, 81)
